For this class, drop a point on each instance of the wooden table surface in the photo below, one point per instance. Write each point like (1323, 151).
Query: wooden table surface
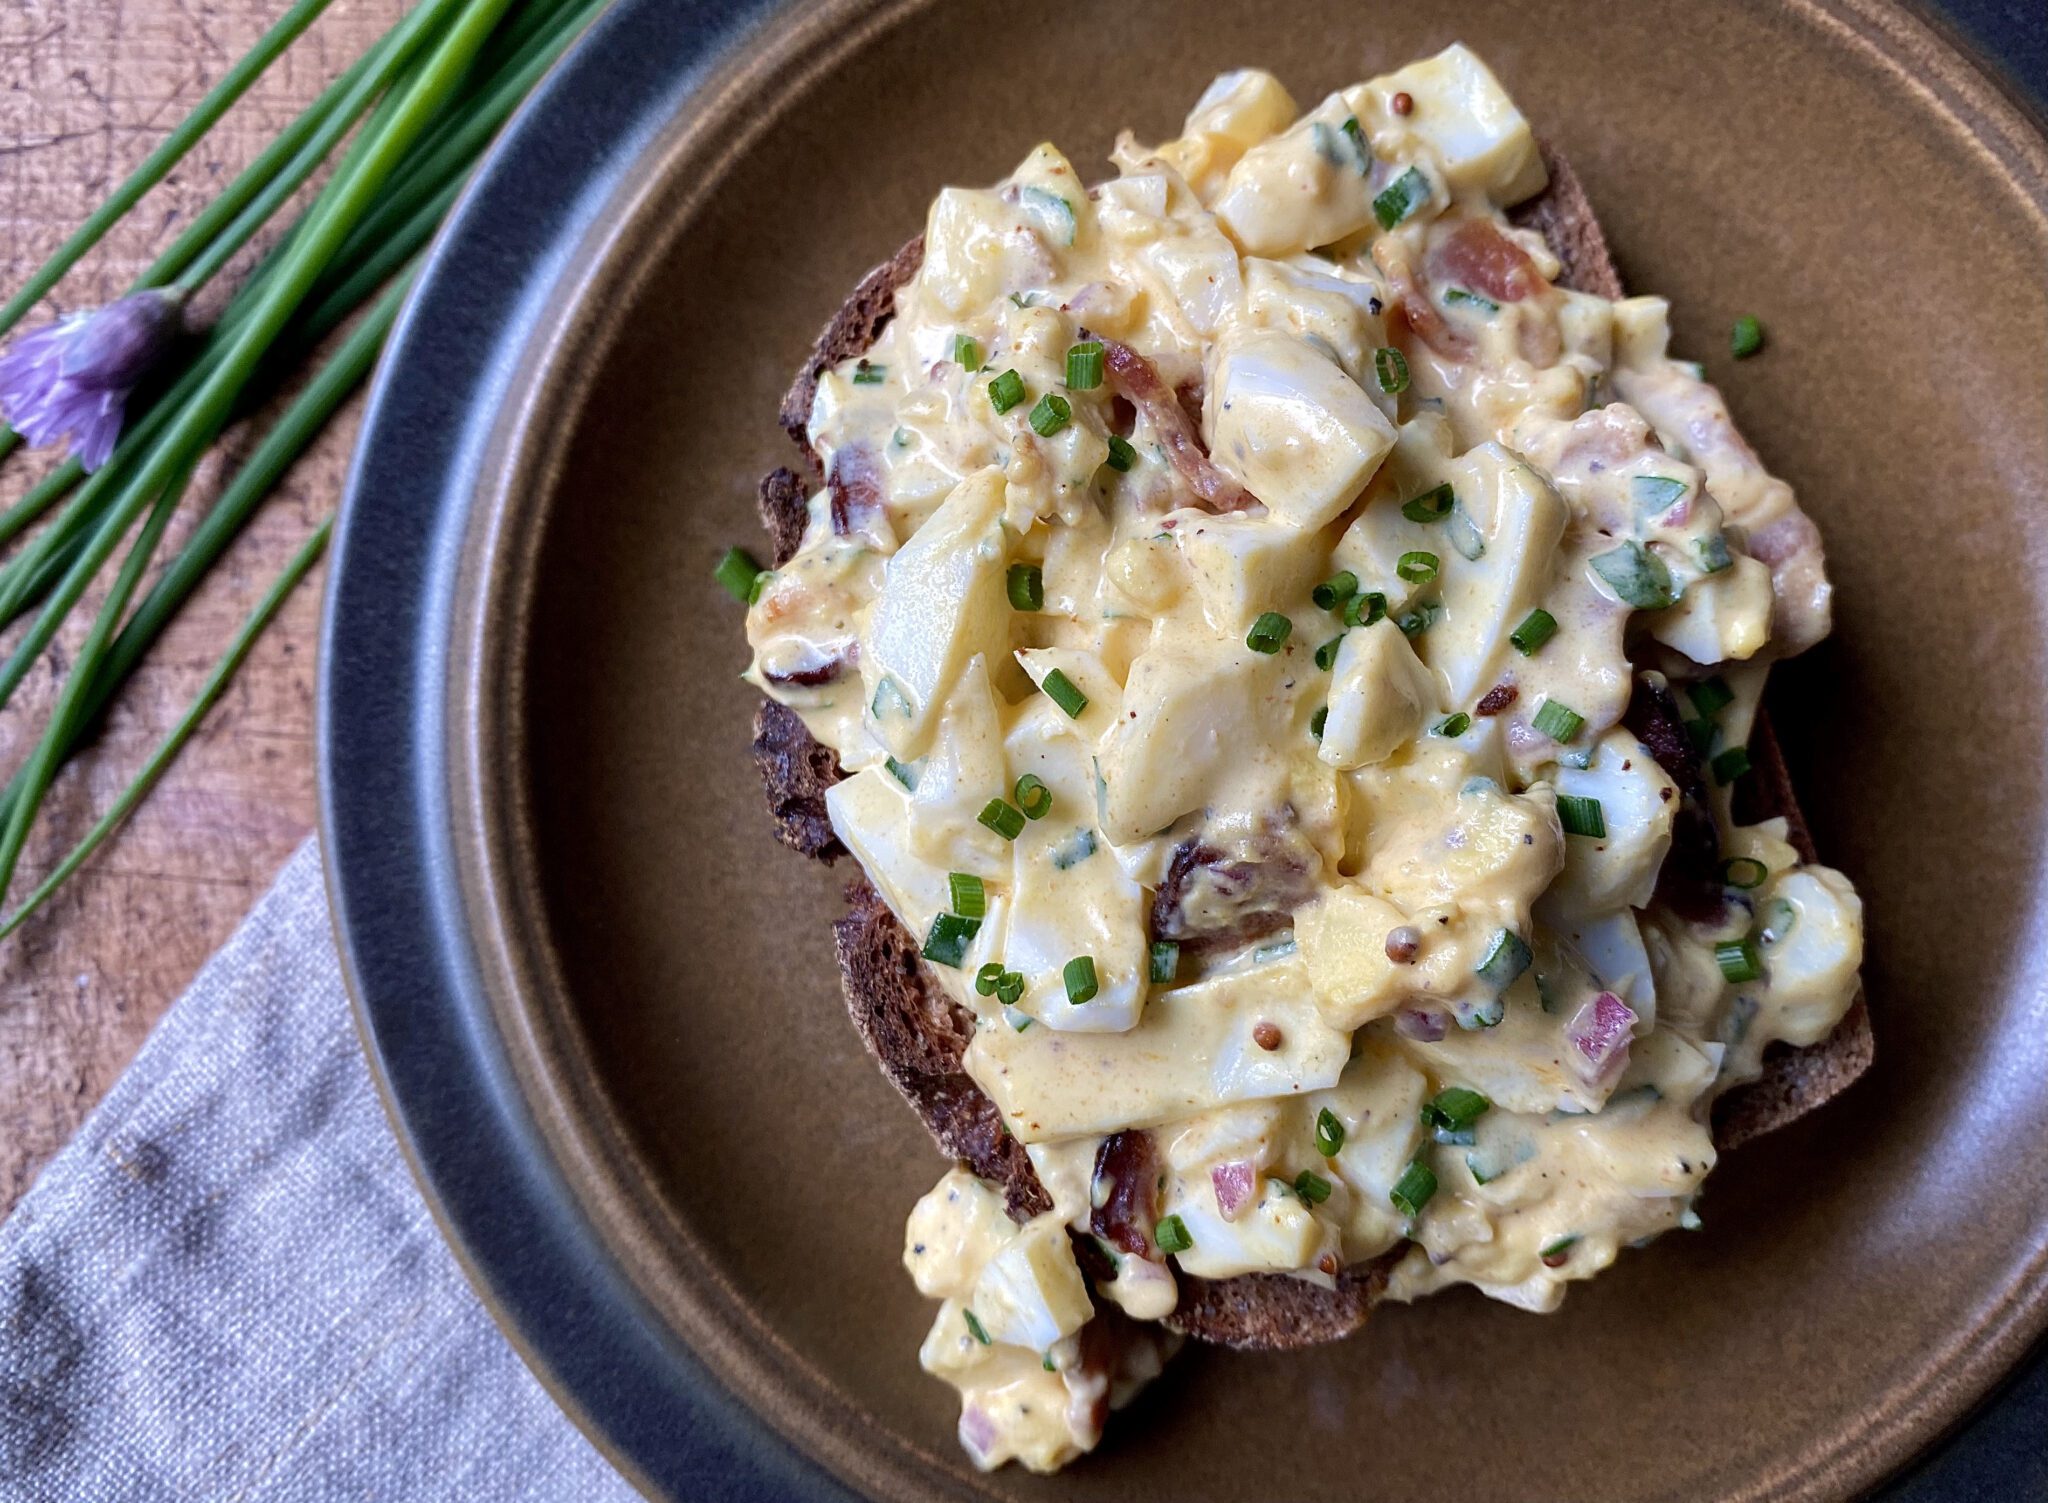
(91, 86)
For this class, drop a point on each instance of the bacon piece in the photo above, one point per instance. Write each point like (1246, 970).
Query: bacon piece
(1479, 258)
(1411, 302)
(1137, 379)
(1211, 899)
(1126, 1192)
(1496, 699)
(857, 505)
(1802, 600)
(1690, 879)
(818, 667)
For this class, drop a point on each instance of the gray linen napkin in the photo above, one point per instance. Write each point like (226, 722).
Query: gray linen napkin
(227, 1288)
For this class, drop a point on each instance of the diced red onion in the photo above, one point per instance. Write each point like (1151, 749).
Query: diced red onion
(1600, 1032)
(1234, 1183)
(977, 1430)
(1423, 1027)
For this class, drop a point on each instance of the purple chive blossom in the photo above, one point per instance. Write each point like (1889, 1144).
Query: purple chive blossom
(73, 377)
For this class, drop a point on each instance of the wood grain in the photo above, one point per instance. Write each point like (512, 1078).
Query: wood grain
(90, 87)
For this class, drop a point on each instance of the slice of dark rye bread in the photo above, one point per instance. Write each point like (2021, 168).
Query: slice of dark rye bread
(919, 1034)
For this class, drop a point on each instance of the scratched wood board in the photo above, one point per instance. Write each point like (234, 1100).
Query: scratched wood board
(91, 86)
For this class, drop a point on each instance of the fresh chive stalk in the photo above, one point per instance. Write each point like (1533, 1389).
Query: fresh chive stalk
(449, 74)
(158, 163)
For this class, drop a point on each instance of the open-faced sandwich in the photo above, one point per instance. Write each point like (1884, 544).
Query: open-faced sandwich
(1282, 641)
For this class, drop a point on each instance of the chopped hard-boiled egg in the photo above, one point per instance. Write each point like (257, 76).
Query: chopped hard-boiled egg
(1247, 602)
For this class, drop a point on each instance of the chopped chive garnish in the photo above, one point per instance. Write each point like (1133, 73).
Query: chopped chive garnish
(1581, 816)
(1506, 961)
(1710, 696)
(1079, 975)
(1412, 1191)
(888, 700)
(737, 571)
(1455, 296)
(1033, 797)
(986, 978)
(1269, 633)
(1050, 415)
(1333, 592)
(761, 582)
(1712, 552)
(1746, 338)
(1075, 851)
(1363, 610)
(1418, 567)
(967, 352)
(1538, 627)
(970, 898)
(1061, 691)
(1452, 725)
(1010, 988)
(1084, 365)
(1745, 872)
(1559, 721)
(902, 772)
(868, 374)
(1026, 586)
(1172, 1235)
(1554, 1256)
(1455, 1109)
(1414, 623)
(1730, 765)
(1329, 1133)
(1465, 534)
(1165, 960)
(1738, 960)
(1656, 494)
(1400, 198)
(1121, 455)
(1390, 366)
(1703, 734)
(1780, 918)
(1326, 655)
(1047, 1363)
(1002, 818)
(946, 942)
(1311, 1187)
(974, 1329)
(1360, 150)
(1637, 575)
(1005, 391)
(1432, 505)
(1317, 721)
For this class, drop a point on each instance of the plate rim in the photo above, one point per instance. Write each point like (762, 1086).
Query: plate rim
(391, 836)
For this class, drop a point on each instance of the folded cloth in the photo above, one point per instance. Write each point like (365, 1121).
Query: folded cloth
(227, 1288)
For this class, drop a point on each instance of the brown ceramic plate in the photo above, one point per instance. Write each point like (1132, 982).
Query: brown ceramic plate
(604, 1001)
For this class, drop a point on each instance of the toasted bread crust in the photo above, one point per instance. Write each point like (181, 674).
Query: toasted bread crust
(1565, 219)
(1274, 1312)
(784, 503)
(852, 331)
(796, 769)
(919, 1035)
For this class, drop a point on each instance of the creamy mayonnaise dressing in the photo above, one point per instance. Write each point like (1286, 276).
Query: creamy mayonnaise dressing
(1225, 603)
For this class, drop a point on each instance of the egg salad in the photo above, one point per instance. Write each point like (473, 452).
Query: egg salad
(1291, 662)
